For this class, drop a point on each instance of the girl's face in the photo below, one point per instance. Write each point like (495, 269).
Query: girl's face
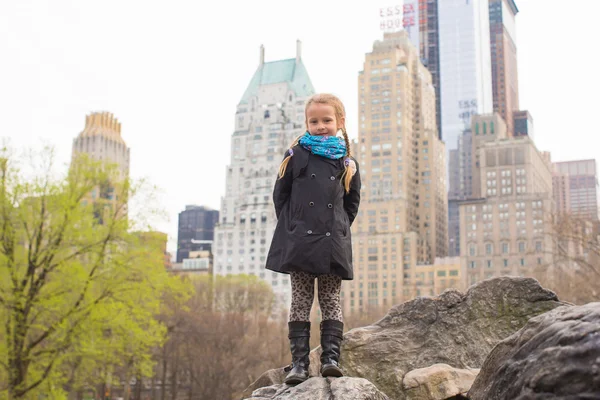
(321, 120)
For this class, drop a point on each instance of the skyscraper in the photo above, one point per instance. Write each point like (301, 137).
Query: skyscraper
(101, 140)
(425, 37)
(269, 116)
(503, 41)
(196, 230)
(402, 217)
(464, 166)
(465, 65)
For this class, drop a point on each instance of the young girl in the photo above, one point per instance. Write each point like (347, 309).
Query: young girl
(316, 200)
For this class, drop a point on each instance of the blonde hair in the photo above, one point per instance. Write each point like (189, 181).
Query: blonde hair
(340, 113)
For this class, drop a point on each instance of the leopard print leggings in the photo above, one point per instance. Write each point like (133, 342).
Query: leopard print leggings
(303, 292)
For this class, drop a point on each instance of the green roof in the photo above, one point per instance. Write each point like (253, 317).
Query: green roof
(290, 71)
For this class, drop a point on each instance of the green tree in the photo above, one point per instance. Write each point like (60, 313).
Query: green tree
(79, 289)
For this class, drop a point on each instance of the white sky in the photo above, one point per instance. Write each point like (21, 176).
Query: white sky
(173, 72)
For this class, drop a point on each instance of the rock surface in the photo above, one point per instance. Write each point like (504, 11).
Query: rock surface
(438, 382)
(556, 356)
(321, 389)
(453, 328)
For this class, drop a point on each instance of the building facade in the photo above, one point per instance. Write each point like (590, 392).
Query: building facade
(507, 230)
(196, 230)
(575, 186)
(465, 65)
(101, 140)
(464, 178)
(269, 117)
(402, 216)
(503, 46)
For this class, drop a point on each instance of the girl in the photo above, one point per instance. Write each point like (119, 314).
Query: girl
(316, 199)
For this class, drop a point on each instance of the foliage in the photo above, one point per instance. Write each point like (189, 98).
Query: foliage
(79, 290)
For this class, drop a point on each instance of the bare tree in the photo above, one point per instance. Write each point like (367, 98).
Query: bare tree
(574, 270)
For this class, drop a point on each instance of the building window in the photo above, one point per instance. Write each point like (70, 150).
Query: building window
(505, 262)
(538, 246)
(489, 263)
(472, 250)
(489, 248)
(505, 248)
(484, 128)
(521, 247)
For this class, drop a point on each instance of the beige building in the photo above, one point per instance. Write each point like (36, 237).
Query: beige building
(101, 140)
(506, 228)
(402, 218)
(444, 273)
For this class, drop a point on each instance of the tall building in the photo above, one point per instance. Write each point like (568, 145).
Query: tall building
(195, 231)
(101, 140)
(506, 228)
(402, 217)
(575, 186)
(464, 167)
(503, 40)
(421, 21)
(269, 116)
(465, 65)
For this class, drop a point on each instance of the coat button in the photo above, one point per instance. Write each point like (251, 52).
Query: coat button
(332, 178)
(330, 205)
(312, 203)
(328, 234)
(309, 232)
(313, 176)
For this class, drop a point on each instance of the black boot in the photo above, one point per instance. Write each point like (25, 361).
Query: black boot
(331, 340)
(299, 335)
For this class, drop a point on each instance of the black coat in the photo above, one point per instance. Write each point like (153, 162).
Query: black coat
(314, 215)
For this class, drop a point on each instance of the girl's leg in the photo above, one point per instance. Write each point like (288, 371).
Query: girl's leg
(332, 325)
(303, 294)
(329, 297)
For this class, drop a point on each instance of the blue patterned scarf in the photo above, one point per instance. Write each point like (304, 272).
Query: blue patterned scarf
(332, 147)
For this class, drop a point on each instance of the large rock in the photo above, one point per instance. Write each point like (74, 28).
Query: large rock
(438, 382)
(321, 389)
(454, 328)
(556, 356)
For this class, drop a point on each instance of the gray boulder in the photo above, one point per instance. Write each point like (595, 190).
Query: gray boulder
(321, 389)
(453, 328)
(556, 356)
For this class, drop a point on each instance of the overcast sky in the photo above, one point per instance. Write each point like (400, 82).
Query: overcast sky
(173, 72)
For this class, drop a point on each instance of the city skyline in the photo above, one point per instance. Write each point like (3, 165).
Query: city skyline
(162, 88)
